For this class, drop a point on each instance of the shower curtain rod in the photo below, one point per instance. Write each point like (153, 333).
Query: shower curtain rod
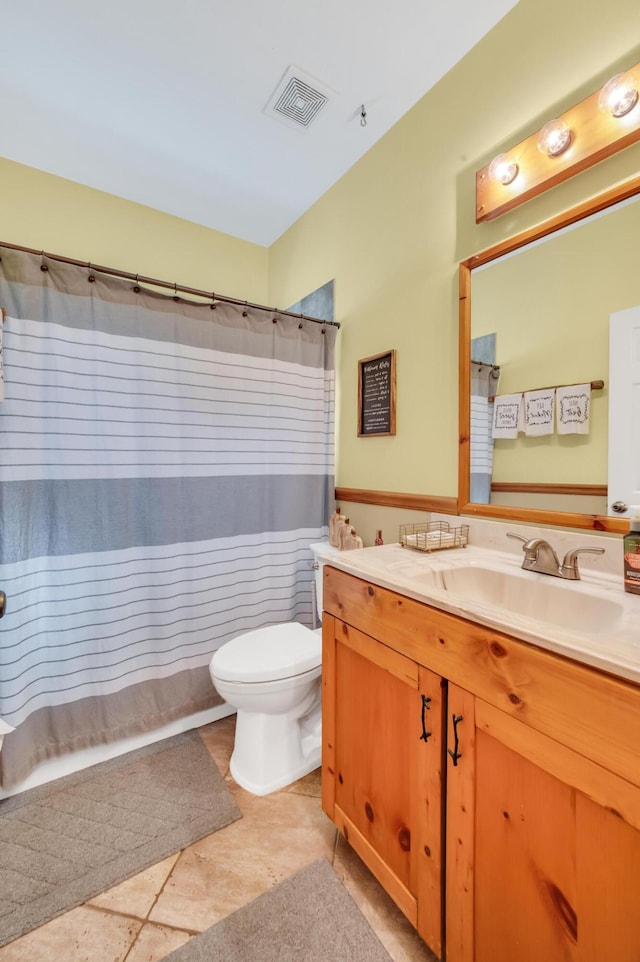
(496, 367)
(141, 279)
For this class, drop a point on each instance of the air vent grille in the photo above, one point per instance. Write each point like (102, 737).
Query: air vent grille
(298, 98)
(299, 102)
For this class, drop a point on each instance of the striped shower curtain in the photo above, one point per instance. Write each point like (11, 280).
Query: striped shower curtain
(484, 381)
(164, 467)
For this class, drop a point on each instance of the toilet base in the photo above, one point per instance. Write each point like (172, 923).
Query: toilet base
(272, 751)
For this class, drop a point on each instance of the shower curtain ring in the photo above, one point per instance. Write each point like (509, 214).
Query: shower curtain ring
(136, 286)
(175, 292)
(43, 266)
(91, 278)
(213, 305)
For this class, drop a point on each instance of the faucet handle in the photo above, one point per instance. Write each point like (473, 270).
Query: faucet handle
(518, 537)
(570, 564)
(570, 557)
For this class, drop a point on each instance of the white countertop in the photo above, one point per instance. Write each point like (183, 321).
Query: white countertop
(601, 621)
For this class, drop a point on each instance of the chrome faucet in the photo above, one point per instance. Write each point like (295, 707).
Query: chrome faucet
(540, 556)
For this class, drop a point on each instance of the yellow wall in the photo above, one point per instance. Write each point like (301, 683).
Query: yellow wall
(49, 213)
(393, 230)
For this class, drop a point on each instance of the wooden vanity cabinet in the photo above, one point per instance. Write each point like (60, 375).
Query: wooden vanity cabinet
(542, 849)
(381, 767)
(540, 855)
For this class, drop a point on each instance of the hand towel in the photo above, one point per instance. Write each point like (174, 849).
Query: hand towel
(538, 412)
(1, 371)
(508, 416)
(573, 407)
(427, 540)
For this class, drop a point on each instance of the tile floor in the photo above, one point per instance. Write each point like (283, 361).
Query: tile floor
(155, 912)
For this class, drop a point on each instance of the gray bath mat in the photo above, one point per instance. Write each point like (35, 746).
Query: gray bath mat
(66, 842)
(309, 918)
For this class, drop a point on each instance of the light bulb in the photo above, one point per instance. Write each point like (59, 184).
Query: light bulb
(554, 138)
(503, 169)
(619, 95)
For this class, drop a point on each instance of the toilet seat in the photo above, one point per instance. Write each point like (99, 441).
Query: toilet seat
(266, 654)
(231, 691)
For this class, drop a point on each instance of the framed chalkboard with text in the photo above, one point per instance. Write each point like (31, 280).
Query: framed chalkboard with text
(377, 395)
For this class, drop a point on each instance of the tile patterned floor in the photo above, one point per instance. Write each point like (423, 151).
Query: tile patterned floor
(155, 912)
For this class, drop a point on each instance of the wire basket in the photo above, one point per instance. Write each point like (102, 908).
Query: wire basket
(434, 536)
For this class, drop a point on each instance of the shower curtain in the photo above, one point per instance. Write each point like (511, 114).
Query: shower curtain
(164, 467)
(484, 382)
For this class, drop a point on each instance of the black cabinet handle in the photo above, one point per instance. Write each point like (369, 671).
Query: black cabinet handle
(426, 706)
(455, 754)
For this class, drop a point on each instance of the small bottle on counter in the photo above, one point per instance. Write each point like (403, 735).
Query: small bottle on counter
(335, 521)
(355, 539)
(342, 532)
(378, 538)
(631, 550)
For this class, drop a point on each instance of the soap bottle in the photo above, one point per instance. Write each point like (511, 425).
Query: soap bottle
(342, 531)
(378, 538)
(335, 520)
(631, 550)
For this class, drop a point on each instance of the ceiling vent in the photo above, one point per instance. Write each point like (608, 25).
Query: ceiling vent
(298, 99)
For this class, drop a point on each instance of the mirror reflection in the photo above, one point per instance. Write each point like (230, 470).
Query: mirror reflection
(540, 321)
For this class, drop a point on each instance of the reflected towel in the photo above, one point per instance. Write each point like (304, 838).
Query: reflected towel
(538, 412)
(573, 408)
(508, 416)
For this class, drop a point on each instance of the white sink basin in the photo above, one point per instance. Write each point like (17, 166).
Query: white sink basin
(592, 620)
(566, 604)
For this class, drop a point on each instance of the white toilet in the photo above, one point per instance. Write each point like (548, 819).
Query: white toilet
(271, 676)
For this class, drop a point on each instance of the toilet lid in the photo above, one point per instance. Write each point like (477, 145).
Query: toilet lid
(279, 651)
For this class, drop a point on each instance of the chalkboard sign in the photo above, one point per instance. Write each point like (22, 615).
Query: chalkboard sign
(377, 395)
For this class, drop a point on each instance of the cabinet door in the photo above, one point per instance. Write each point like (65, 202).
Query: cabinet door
(543, 846)
(382, 761)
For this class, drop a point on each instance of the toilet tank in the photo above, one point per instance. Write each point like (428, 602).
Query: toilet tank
(320, 548)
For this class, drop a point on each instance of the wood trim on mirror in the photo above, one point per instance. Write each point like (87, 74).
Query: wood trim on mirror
(529, 515)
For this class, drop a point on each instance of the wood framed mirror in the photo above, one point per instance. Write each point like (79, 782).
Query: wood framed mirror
(539, 303)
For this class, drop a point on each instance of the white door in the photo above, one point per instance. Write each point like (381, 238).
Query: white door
(624, 409)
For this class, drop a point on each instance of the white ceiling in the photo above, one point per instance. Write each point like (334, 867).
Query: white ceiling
(162, 102)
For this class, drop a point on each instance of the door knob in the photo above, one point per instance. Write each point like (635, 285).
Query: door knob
(3, 603)
(619, 507)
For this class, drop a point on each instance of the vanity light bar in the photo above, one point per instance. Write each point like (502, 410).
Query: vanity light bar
(597, 127)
